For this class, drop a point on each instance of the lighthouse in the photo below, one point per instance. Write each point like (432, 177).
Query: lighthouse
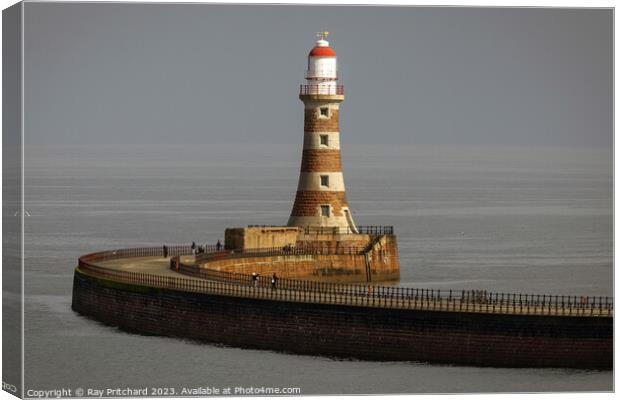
(321, 199)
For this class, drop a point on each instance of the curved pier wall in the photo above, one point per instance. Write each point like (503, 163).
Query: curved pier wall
(345, 331)
(379, 264)
(335, 268)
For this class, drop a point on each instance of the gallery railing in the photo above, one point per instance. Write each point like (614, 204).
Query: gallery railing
(375, 230)
(321, 89)
(243, 285)
(326, 230)
(362, 230)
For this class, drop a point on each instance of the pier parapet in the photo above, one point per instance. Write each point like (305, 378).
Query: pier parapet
(136, 290)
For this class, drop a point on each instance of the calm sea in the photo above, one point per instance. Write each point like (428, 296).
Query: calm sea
(510, 219)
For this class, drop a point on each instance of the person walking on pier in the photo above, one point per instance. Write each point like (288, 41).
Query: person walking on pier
(218, 246)
(254, 278)
(165, 251)
(274, 281)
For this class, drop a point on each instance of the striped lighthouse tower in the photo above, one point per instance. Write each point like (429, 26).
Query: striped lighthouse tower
(321, 199)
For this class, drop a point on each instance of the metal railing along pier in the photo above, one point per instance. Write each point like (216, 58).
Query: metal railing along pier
(243, 285)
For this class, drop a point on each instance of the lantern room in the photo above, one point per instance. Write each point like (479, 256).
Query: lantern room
(322, 72)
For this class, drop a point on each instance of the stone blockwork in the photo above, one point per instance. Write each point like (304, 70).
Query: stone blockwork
(350, 331)
(321, 161)
(313, 122)
(383, 262)
(260, 237)
(380, 266)
(266, 237)
(351, 258)
(333, 242)
(307, 203)
(346, 268)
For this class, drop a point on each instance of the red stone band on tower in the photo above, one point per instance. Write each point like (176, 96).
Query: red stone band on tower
(321, 197)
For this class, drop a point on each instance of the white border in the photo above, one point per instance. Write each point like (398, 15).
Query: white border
(476, 3)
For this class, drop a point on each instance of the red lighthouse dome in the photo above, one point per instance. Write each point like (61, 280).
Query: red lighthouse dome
(318, 51)
(322, 49)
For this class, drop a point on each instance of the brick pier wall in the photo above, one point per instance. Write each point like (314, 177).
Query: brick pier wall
(359, 332)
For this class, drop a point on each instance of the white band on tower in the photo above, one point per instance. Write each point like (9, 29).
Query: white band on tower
(321, 140)
(321, 181)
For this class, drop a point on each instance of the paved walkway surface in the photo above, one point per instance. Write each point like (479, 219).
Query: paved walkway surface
(160, 267)
(151, 265)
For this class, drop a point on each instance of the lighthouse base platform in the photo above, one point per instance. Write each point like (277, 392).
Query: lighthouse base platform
(315, 254)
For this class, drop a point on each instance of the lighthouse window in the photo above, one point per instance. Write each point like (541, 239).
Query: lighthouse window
(325, 211)
(324, 140)
(325, 180)
(324, 112)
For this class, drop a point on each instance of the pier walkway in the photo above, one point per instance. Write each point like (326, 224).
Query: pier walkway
(147, 266)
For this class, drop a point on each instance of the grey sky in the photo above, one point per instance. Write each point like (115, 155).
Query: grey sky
(181, 73)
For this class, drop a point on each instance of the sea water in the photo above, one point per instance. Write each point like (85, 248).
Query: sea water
(502, 219)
